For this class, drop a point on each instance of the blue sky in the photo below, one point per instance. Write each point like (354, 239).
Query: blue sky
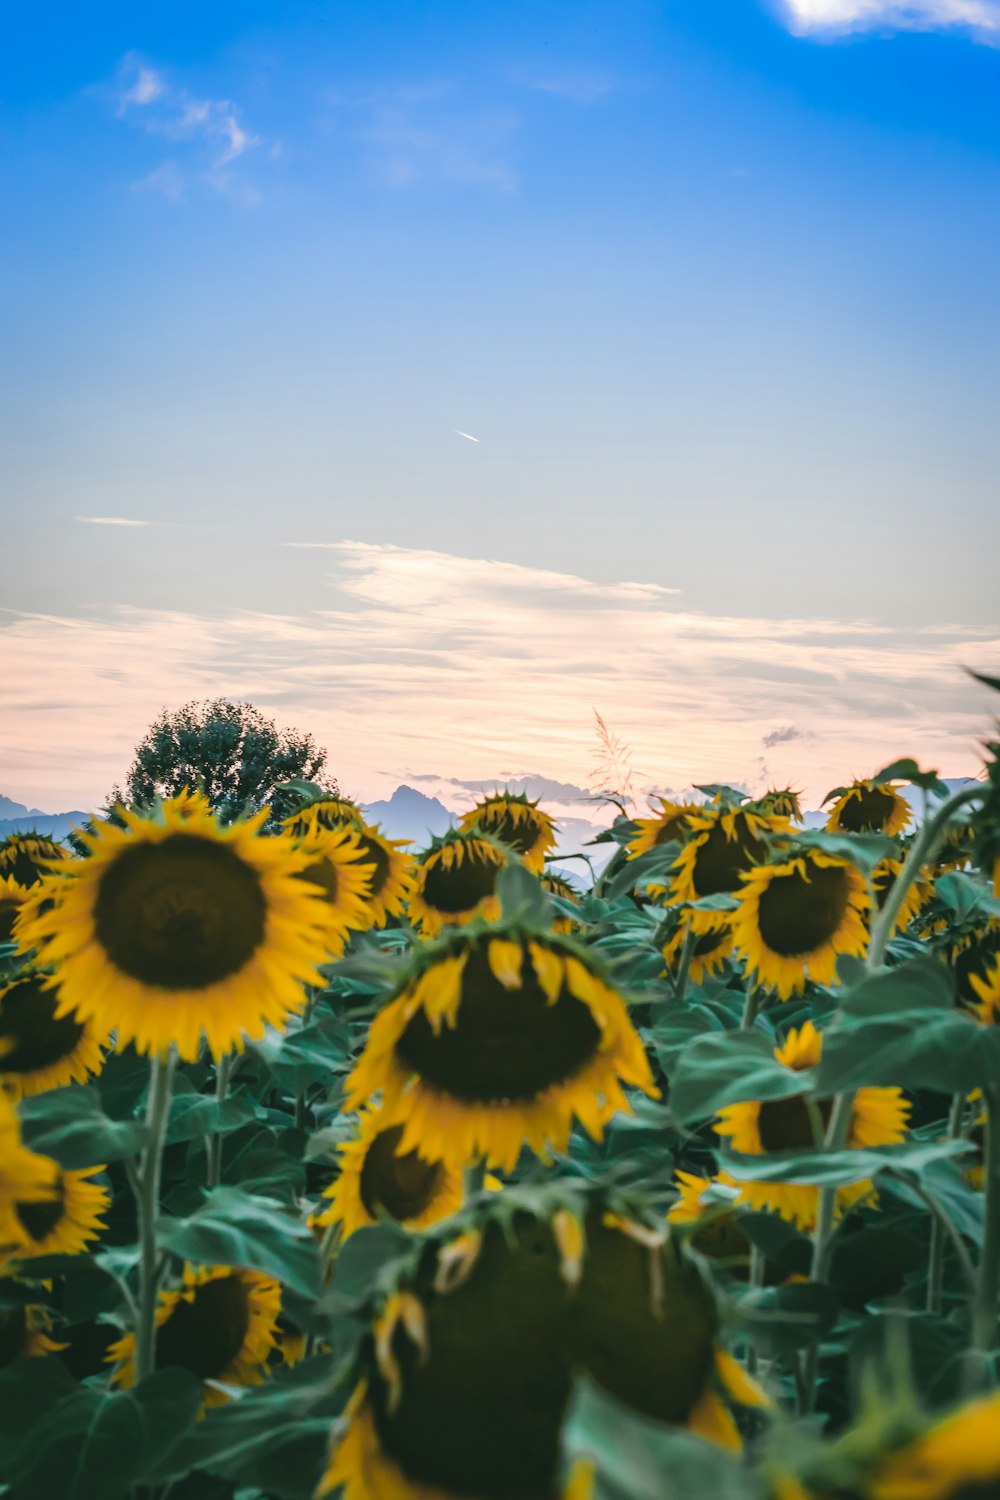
(714, 284)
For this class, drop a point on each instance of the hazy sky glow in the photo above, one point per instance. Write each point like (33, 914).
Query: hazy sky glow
(712, 287)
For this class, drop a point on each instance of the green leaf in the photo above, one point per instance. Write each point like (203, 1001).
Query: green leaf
(194, 1115)
(69, 1125)
(962, 894)
(313, 1054)
(908, 770)
(522, 896)
(784, 1318)
(873, 1262)
(236, 1228)
(914, 1049)
(650, 866)
(866, 850)
(987, 681)
(725, 1068)
(637, 1459)
(825, 1168)
(923, 981)
(29, 1390)
(948, 1185)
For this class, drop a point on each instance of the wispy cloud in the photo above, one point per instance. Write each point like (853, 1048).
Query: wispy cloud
(577, 84)
(831, 17)
(209, 130)
(785, 736)
(426, 663)
(112, 521)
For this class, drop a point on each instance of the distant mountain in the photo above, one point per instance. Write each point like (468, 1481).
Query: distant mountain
(409, 814)
(16, 818)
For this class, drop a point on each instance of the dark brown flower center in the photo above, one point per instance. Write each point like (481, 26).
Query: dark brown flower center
(787, 1124)
(460, 886)
(400, 1184)
(375, 853)
(39, 1219)
(519, 836)
(21, 857)
(720, 861)
(643, 1324)
(205, 1335)
(323, 872)
(481, 1414)
(867, 812)
(507, 1045)
(9, 909)
(798, 915)
(32, 1036)
(181, 914)
(672, 828)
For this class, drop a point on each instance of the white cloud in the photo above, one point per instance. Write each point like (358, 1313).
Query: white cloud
(430, 664)
(579, 85)
(210, 128)
(112, 521)
(982, 17)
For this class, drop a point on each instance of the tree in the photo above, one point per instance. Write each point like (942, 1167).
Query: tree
(230, 751)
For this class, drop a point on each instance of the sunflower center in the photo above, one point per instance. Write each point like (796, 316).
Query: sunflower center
(20, 858)
(720, 861)
(9, 909)
(507, 1045)
(867, 812)
(13, 1331)
(181, 914)
(481, 1414)
(796, 916)
(375, 853)
(787, 1124)
(708, 942)
(32, 1036)
(324, 874)
(205, 1335)
(673, 828)
(458, 887)
(644, 1325)
(404, 1185)
(39, 1219)
(519, 836)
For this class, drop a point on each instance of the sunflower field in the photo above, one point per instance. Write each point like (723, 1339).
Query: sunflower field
(332, 1167)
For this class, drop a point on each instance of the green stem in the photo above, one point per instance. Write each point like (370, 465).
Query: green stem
(924, 847)
(752, 1006)
(984, 1320)
(223, 1075)
(475, 1178)
(935, 1261)
(157, 1112)
(837, 1132)
(684, 971)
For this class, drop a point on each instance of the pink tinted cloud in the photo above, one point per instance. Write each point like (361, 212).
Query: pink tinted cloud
(430, 663)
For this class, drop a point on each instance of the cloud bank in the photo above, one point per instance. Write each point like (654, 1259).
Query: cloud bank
(426, 663)
(981, 17)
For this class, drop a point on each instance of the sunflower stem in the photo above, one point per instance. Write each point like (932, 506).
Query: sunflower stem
(984, 1319)
(475, 1177)
(755, 998)
(935, 1261)
(837, 1132)
(925, 845)
(148, 1204)
(684, 971)
(213, 1146)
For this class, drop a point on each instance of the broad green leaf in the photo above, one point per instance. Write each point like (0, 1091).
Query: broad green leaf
(29, 1390)
(866, 850)
(783, 1318)
(69, 1125)
(522, 895)
(823, 1168)
(923, 981)
(962, 894)
(312, 1054)
(914, 1049)
(236, 1228)
(726, 1067)
(908, 770)
(947, 1184)
(193, 1115)
(650, 867)
(873, 1262)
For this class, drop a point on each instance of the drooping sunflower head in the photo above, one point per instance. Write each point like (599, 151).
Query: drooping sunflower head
(24, 1333)
(955, 1458)
(723, 844)
(713, 942)
(25, 1179)
(557, 885)
(516, 822)
(40, 1046)
(797, 917)
(499, 1037)
(711, 1227)
(377, 1179)
(456, 880)
(337, 868)
(759, 1127)
(671, 824)
(176, 928)
(66, 1223)
(324, 813)
(919, 895)
(220, 1325)
(782, 802)
(864, 807)
(12, 898)
(972, 956)
(27, 857)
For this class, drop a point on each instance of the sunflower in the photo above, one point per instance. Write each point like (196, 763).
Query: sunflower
(39, 1047)
(176, 927)
(336, 867)
(28, 856)
(516, 822)
(958, 1458)
(391, 879)
(456, 881)
(325, 813)
(723, 843)
(713, 1228)
(756, 1128)
(497, 1038)
(25, 1178)
(558, 885)
(670, 824)
(987, 988)
(24, 1332)
(919, 895)
(796, 918)
(864, 807)
(377, 1178)
(12, 897)
(65, 1224)
(221, 1325)
(713, 942)
(973, 956)
(644, 1327)
(782, 802)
